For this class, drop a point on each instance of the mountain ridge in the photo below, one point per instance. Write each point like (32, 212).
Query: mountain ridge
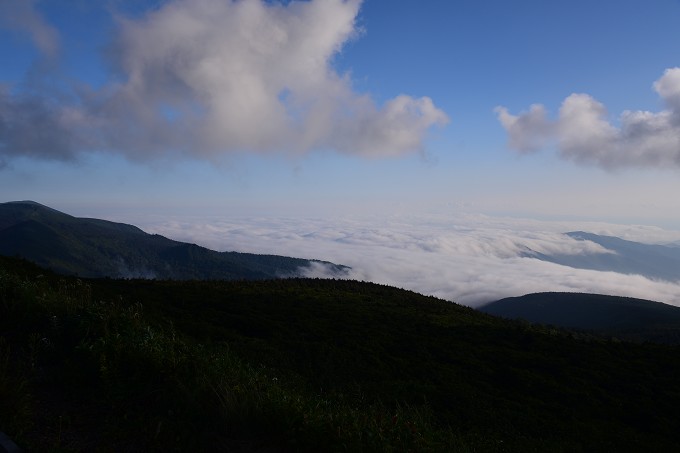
(623, 317)
(653, 261)
(100, 248)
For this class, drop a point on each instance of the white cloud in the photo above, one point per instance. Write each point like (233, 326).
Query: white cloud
(527, 132)
(668, 88)
(467, 259)
(204, 77)
(583, 133)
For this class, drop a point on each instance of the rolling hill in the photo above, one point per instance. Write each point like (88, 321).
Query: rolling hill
(623, 317)
(99, 248)
(310, 365)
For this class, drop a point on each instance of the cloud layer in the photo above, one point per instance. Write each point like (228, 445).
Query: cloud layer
(582, 132)
(470, 260)
(203, 77)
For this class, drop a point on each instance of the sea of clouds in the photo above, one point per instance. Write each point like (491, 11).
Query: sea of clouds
(469, 259)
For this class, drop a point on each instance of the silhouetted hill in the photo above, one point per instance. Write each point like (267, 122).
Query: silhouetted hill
(311, 365)
(99, 248)
(624, 317)
(659, 262)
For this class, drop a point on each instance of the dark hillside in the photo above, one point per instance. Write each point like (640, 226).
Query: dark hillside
(311, 365)
(99, 248)
(622, 317)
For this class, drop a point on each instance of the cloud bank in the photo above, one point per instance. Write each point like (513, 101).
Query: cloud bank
(466, 259)
(583, 134)
(204, 77)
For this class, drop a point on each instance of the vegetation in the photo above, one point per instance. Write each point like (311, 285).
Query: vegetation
(98, 248)
(310, 365)
(618, 317)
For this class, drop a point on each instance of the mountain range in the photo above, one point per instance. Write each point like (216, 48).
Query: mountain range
(654, 261)
(265, 364)
(99, 248)
(95, 248)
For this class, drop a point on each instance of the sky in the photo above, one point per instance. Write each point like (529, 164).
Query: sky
(226, 121)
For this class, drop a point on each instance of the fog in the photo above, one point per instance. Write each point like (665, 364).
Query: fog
(469, 259)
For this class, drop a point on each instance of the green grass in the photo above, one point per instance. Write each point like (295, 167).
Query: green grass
(310, 365)
(89, 374)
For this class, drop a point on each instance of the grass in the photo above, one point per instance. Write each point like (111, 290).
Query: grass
(310, 365)
(90, 374)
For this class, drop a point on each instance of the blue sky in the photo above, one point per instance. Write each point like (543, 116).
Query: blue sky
(71, 66)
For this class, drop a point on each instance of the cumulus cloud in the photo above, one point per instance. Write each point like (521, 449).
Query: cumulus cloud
(529, 131)
(582, 132)
(203, 77)
(466, 259)
(36, 126)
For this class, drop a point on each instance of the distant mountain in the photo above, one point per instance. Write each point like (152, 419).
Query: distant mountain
(634, 319)
(660, 262)
(99, 248)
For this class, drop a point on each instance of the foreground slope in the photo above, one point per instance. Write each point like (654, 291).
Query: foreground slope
(99, 248)
(311, 365)
(624, 317)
